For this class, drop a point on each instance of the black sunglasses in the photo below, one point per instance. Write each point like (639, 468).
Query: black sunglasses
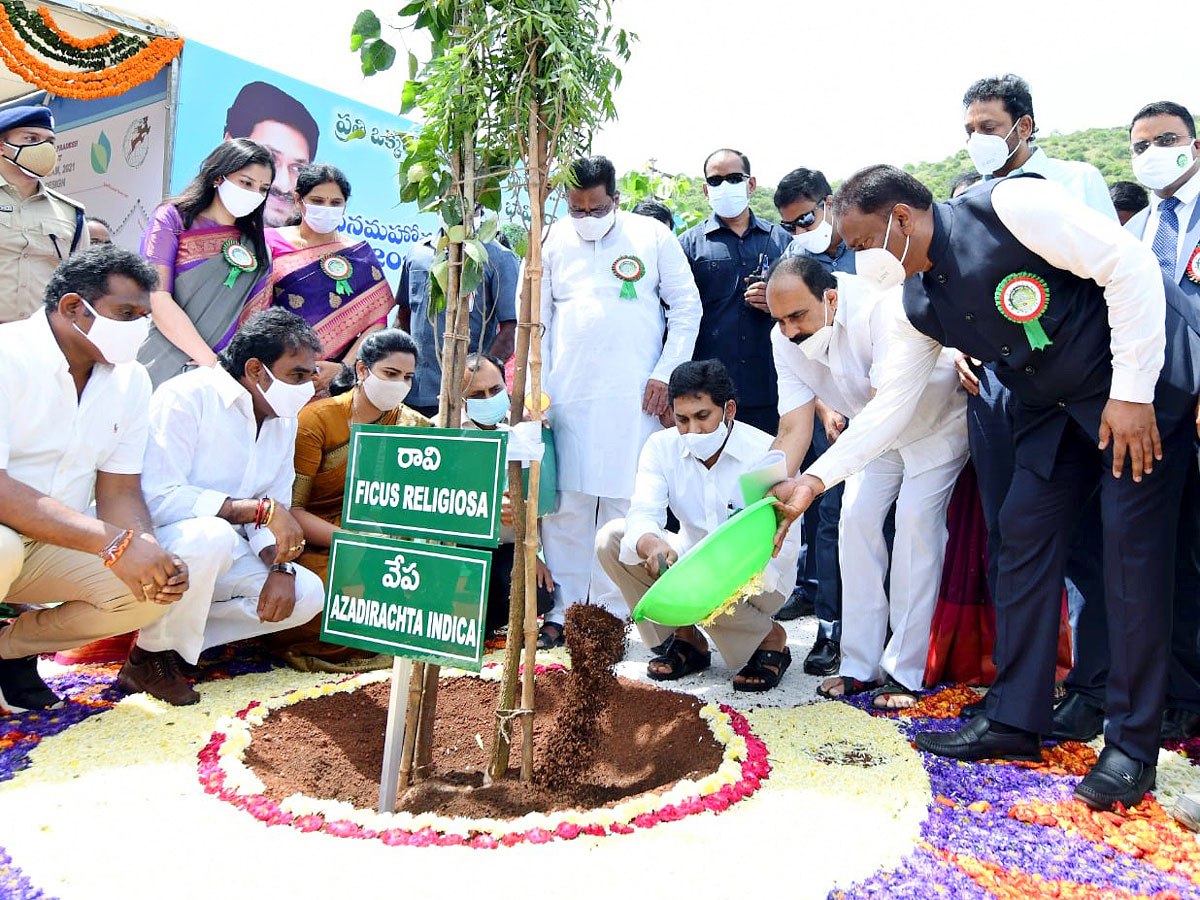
(1166, 139)
(732, 178)
(802, 221)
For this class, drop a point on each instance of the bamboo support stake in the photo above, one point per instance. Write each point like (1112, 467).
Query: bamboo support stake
(534, 270)
(411, 718)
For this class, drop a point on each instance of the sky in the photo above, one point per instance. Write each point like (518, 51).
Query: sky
(831, 86)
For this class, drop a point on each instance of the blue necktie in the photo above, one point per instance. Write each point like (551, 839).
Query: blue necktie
(1166, 239)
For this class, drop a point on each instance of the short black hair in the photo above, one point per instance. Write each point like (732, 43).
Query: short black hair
(266, 336)
(1012, 90)
(655, 210)
(1166, 108)
(738, 153)
(375, 346)
(315, 174)
(1128, 196)
(878, 187)
(98, 220)
(473, 361)
(702, 376)
(87, 273)
(261, 102)
(802, 184)
(590, 171)
(963, 180)
(816, 277)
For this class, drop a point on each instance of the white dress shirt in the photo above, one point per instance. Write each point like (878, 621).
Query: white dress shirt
(203, 449)
(600, 348)
(1187, 196)
(1081, 180)
(845, 378)
(54, 439)
(702, 499)
(1068, 235)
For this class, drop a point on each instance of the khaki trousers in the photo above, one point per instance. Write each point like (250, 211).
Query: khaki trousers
(94, 603)
(737, 634)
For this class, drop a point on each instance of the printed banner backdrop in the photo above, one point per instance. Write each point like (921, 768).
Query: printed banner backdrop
(112, 154)
(300, 123)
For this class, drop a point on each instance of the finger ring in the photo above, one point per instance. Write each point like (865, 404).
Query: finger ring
(147, 588)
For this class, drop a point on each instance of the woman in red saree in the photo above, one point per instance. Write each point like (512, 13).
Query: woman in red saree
(333, 283)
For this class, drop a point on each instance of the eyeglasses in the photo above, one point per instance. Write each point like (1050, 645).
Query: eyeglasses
(1166, 139)
(732, 178)
(802, 221)
(594, 213)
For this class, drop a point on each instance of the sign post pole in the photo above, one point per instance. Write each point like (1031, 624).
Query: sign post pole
(389, 780)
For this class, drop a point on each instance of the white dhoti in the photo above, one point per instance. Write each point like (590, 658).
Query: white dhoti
(569, 542)
(221, 603)
(917, 554)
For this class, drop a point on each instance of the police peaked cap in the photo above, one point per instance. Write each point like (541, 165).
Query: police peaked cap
(24, 117)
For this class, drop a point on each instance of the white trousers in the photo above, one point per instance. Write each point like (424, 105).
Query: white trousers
(221, 603)
(917, 555)
(569, 542)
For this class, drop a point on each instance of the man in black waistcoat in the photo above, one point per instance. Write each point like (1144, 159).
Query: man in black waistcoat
(1072, 314)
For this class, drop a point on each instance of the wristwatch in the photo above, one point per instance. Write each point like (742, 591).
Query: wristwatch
(285, 567)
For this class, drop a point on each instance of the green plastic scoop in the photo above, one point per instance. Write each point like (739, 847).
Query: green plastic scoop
(712, 571)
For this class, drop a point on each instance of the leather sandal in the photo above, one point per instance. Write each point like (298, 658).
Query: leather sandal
(766, 667)
(683, 658)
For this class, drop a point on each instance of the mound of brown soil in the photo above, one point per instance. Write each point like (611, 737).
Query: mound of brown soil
(332, 747)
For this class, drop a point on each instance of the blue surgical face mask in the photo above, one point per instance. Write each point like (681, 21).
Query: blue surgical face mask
(488, 410)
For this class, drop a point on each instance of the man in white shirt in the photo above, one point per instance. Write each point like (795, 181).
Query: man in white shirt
(829, 343)
(1016, 273)
(694, 469)
(219, 473)
(73, 410)
(614, 284)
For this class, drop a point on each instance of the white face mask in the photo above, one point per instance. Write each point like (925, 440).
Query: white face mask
(238, 200)
(384, 395)
(817, 239)
(816, 345)
(729, 200)
(323, 219)
(989, 151)
(592, 229)
(286, 400)
(878, 267)
(1160, 167)
(117, 341)
(703, 446)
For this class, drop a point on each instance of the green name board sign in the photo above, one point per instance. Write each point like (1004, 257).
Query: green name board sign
(418, 601)
(443, 484)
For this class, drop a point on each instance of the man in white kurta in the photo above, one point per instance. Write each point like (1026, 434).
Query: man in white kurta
(829, 343)
(613, 285)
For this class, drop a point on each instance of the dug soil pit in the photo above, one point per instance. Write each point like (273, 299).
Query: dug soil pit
(332, 747)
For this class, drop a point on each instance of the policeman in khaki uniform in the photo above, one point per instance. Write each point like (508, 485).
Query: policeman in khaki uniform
(38, 227)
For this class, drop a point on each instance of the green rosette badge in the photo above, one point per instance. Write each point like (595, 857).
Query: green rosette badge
(629, 269)
(1192, 269)
(1022, 298)
(339, 269)
(240, 260)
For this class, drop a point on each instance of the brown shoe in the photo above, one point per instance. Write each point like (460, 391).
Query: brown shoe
(158, 675)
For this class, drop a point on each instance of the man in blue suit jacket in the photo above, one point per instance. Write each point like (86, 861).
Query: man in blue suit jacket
(1166, 158)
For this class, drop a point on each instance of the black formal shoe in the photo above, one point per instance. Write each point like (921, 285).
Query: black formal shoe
(22, 689)
(798, 604)
(1115, 778)
(824, 657)
(1179, 724)
(978, 740)
(1077, 719)
(971, 710)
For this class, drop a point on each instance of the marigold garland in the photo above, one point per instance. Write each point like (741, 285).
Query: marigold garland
(77, 42)
(84, 85)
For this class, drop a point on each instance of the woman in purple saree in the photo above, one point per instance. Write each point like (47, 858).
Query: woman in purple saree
(334, 284)
(211, 254)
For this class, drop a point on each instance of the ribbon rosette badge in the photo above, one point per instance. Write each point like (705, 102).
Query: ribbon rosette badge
(240, 260)
(1192, 269)
(339, 269)
(629, 269)
(1022, 298)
